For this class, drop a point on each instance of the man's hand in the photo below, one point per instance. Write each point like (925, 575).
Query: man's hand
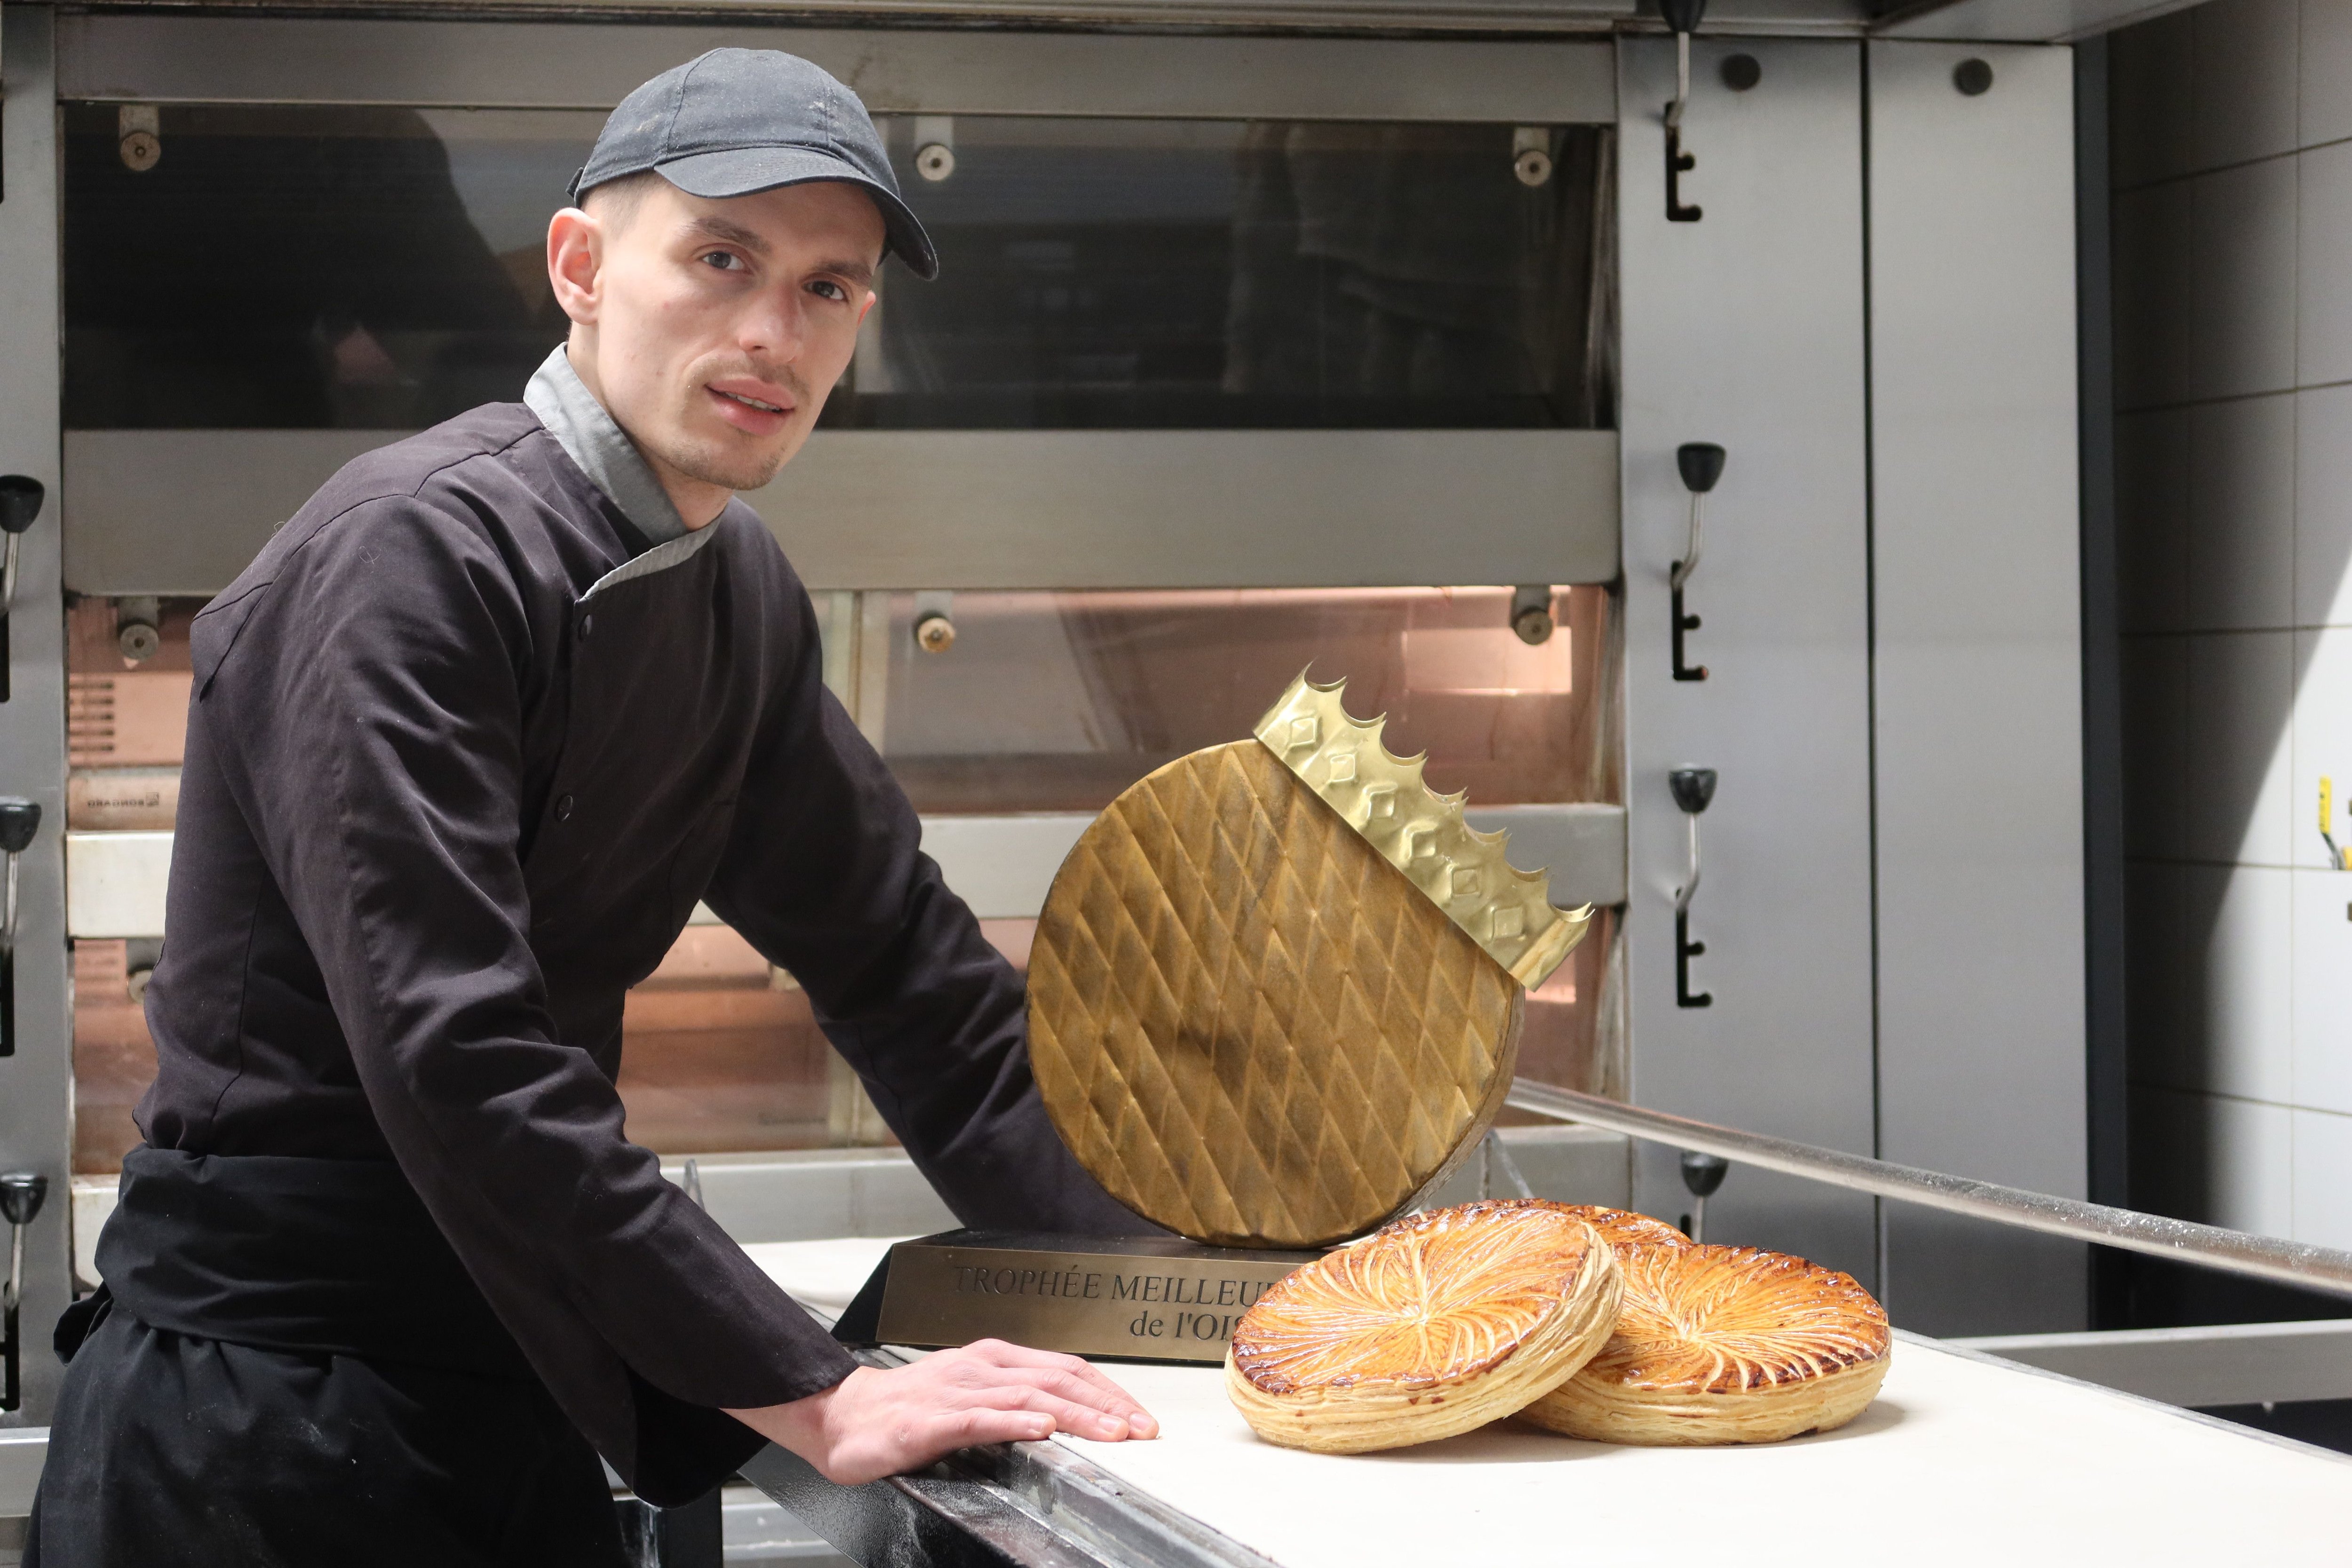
(875, 1423)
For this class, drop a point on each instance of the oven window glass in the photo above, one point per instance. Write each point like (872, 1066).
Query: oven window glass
(1129, 274)
(1056, 701)
(1041, 702)
(299, 267)
(382, 269)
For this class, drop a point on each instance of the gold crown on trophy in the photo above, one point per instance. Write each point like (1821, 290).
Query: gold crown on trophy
(1506, 911)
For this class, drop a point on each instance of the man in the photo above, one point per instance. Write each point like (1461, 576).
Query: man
(467, 741)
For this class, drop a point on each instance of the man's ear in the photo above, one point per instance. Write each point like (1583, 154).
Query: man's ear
(871, 296)
(575, 258)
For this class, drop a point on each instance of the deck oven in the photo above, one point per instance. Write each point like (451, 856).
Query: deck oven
(1674, 438)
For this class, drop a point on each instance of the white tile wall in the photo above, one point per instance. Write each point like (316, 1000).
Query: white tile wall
(2251, 1172)
(2236, 805)
(2152, 518)
(2158, 976)
(2155, 284)
(2323, 976)
(2325, 70)
(2322, 1178)
(2322, 744)
(2242, 481)
(2323, 504)
(2224, 1162)
(2156, 745)
(2324, 265)
(2241, 328)
(2239, 923)
(2150, 79)
(2231, 137)
(2245, 81)
(2167, 1166)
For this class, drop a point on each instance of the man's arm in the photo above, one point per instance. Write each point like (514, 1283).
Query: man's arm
(366, 710)
(825, 874)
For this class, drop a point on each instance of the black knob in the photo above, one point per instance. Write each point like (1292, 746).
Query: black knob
(21, 1193)
(1682, 16)
(20, 502)
(19, 820)
(1701, 463)
(1702, 1174)
(1693, 788)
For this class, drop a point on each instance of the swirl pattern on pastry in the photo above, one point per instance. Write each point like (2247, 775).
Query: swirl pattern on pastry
(1623, 1228)
(1439, 1323)
(1725, 1344)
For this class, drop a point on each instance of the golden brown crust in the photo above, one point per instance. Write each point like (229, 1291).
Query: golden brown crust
(1247, 1025)
(1438, 1324)
(1725, 1344)
(1621, 1228)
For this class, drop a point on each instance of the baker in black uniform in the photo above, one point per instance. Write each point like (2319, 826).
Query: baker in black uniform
(467, 741)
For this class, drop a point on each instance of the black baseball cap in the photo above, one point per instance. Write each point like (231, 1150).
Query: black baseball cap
(734, 122)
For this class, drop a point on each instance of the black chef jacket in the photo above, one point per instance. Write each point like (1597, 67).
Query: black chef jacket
(462, 755)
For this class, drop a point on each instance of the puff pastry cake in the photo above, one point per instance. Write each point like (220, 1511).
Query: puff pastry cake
(1276, 987)
(1725, 1344)
(1437, 1324)
(1621, 1228)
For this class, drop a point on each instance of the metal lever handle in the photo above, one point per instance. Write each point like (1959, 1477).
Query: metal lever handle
(1683, 18)
(20, 820)
(1690, 878)
(1700, 464)
(20, 502)
(21, 1193)
(1702, 1174)
(1694, 792)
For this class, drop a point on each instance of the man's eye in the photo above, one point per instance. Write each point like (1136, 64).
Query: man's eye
(724, 260)
(830, 290)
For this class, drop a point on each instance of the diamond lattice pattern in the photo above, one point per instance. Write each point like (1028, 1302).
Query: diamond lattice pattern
(1247, 1025)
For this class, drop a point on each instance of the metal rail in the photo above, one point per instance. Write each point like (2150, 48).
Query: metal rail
(2299, 1263)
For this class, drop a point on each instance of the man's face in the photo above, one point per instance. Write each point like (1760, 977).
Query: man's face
(713, 330)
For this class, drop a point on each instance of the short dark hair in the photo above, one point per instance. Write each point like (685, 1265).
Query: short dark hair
(617, 202)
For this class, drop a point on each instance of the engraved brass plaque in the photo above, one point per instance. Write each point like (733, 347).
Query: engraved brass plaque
(1149, 1299)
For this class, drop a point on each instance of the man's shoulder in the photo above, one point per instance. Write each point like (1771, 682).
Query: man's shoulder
(430, 461)
(451, 481)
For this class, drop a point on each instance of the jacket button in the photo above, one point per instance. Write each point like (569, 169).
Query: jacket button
(563, 808)
(587, 625)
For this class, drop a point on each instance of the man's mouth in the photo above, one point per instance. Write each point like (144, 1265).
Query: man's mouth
(758, 407)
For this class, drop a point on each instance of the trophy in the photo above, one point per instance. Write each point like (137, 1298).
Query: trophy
(1275, 995)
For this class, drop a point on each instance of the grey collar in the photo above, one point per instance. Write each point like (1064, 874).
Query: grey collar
(603, 449)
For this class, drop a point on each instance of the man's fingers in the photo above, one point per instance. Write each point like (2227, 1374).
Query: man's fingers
(1108, 1395)
(925, 1442)
(1097, 1395)
(989, 1424)
(1068, 1416)
(1081, 1381)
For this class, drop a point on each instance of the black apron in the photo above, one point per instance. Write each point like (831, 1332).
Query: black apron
(288, 1364)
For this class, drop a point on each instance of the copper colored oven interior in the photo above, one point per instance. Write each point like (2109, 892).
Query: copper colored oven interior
(1045, 702)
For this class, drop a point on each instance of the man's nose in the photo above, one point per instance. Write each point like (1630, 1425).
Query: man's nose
(775, 327)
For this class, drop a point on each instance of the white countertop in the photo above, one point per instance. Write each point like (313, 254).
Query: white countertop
(822, 1275)
(1960, 1460)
